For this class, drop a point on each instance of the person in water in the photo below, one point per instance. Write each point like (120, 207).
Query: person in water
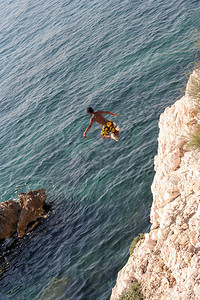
(107, 126)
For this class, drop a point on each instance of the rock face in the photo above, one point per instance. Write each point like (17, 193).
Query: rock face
(15, 216)
(9, 216)
(32, 204)
(167, 261)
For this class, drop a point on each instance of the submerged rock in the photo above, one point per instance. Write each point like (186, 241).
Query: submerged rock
(55, 289)
(16, 216)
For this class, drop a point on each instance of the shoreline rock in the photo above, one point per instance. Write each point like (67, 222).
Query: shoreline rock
(167, 261)
(16, 216)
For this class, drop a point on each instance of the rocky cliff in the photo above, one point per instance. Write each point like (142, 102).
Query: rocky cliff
(167, 261)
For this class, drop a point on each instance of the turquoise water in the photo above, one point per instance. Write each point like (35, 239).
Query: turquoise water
(56, 59)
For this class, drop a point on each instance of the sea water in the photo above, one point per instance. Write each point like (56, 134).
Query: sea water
(57, 58)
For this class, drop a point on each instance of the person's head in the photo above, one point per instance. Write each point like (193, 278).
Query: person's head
(90, 110)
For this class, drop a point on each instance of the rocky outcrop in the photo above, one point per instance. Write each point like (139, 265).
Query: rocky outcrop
(167, 261)
(16, 216)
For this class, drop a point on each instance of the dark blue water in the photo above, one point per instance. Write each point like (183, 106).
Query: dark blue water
(56, 59)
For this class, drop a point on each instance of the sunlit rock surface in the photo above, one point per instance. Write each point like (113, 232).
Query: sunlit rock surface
(167, 261)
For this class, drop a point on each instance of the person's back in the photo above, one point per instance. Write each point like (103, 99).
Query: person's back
(99, 118)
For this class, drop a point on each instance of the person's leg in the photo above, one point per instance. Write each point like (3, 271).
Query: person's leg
(116, 132)
(114, 137)
(106, 136)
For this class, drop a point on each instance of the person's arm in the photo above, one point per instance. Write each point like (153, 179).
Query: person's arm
(88, 128)
(110, 113)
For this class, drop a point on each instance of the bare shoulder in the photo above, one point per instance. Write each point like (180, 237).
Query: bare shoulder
(104, 112)
(99, 112)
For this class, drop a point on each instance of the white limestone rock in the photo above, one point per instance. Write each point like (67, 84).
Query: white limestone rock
(167, 261)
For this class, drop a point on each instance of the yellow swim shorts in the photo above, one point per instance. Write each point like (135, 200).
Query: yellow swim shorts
(108, 127)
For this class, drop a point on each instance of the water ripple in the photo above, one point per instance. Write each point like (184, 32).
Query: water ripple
(57, 58)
